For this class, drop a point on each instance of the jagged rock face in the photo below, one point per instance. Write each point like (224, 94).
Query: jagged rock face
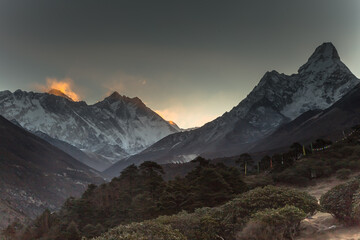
(329, 124)
(114, 128)
(320, 82)
(277, 99)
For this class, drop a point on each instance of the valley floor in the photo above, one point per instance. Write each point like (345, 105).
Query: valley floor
(323, 226)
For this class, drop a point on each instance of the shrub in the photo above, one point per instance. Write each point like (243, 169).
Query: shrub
(262, 180)
(301, 173)
(357, 152)
(225, 221)
(202, 224)
(319, 168)
(148, 230)
(257, 231)
(237, 212)
(346, 151)
(340, 202)
(72, 232)
(90, 230)
(291, 176)
(341, 164)
(273, 224)
(354, 164)
(343, 173)
(355, 213)
(276, 197)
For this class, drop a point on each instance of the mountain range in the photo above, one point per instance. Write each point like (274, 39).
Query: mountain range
(119, 131)
(106, 131)
(278, 99)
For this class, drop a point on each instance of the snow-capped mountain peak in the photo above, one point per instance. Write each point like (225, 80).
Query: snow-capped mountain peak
(325, 51)
(321, 81)
(116, 97)
(59, 93)
(114, 128)
(324, 57)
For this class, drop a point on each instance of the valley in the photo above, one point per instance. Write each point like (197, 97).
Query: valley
(72, 170)
(179, 120)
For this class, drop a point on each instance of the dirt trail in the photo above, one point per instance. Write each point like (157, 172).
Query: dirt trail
(322, 226)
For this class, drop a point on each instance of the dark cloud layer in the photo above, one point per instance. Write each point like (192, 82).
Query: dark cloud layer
(169, 53)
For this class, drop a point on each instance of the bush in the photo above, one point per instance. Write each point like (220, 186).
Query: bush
(304, 170)
(291, 176)
(346, 151)
(273, 224)
(319, 168)
(148, 230)
(90, 230)
(72, 232)
(343, 173)
(341, 164)
(262, 180)
(202, 224)
(237, 212)
(225, 221)
(354, 164)
(355, 213)
(342, 202)
(276, 197)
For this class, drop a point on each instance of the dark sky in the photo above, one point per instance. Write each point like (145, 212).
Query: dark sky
(189, 60)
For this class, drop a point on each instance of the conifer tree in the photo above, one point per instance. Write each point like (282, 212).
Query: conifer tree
(72, 232)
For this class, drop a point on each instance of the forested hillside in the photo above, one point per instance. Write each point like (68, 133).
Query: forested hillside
(139, 193)
(211, 201)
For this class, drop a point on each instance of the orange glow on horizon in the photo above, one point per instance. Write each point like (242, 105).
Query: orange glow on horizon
(183, 118)
(64, 85)
(171, 123)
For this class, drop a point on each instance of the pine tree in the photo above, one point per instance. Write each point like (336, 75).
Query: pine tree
(72, 232)
(151, 174)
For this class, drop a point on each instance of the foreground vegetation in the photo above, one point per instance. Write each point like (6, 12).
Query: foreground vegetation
(341, 159)
(211, 202)
(273, 211)
(138, 194)
(343, 202)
